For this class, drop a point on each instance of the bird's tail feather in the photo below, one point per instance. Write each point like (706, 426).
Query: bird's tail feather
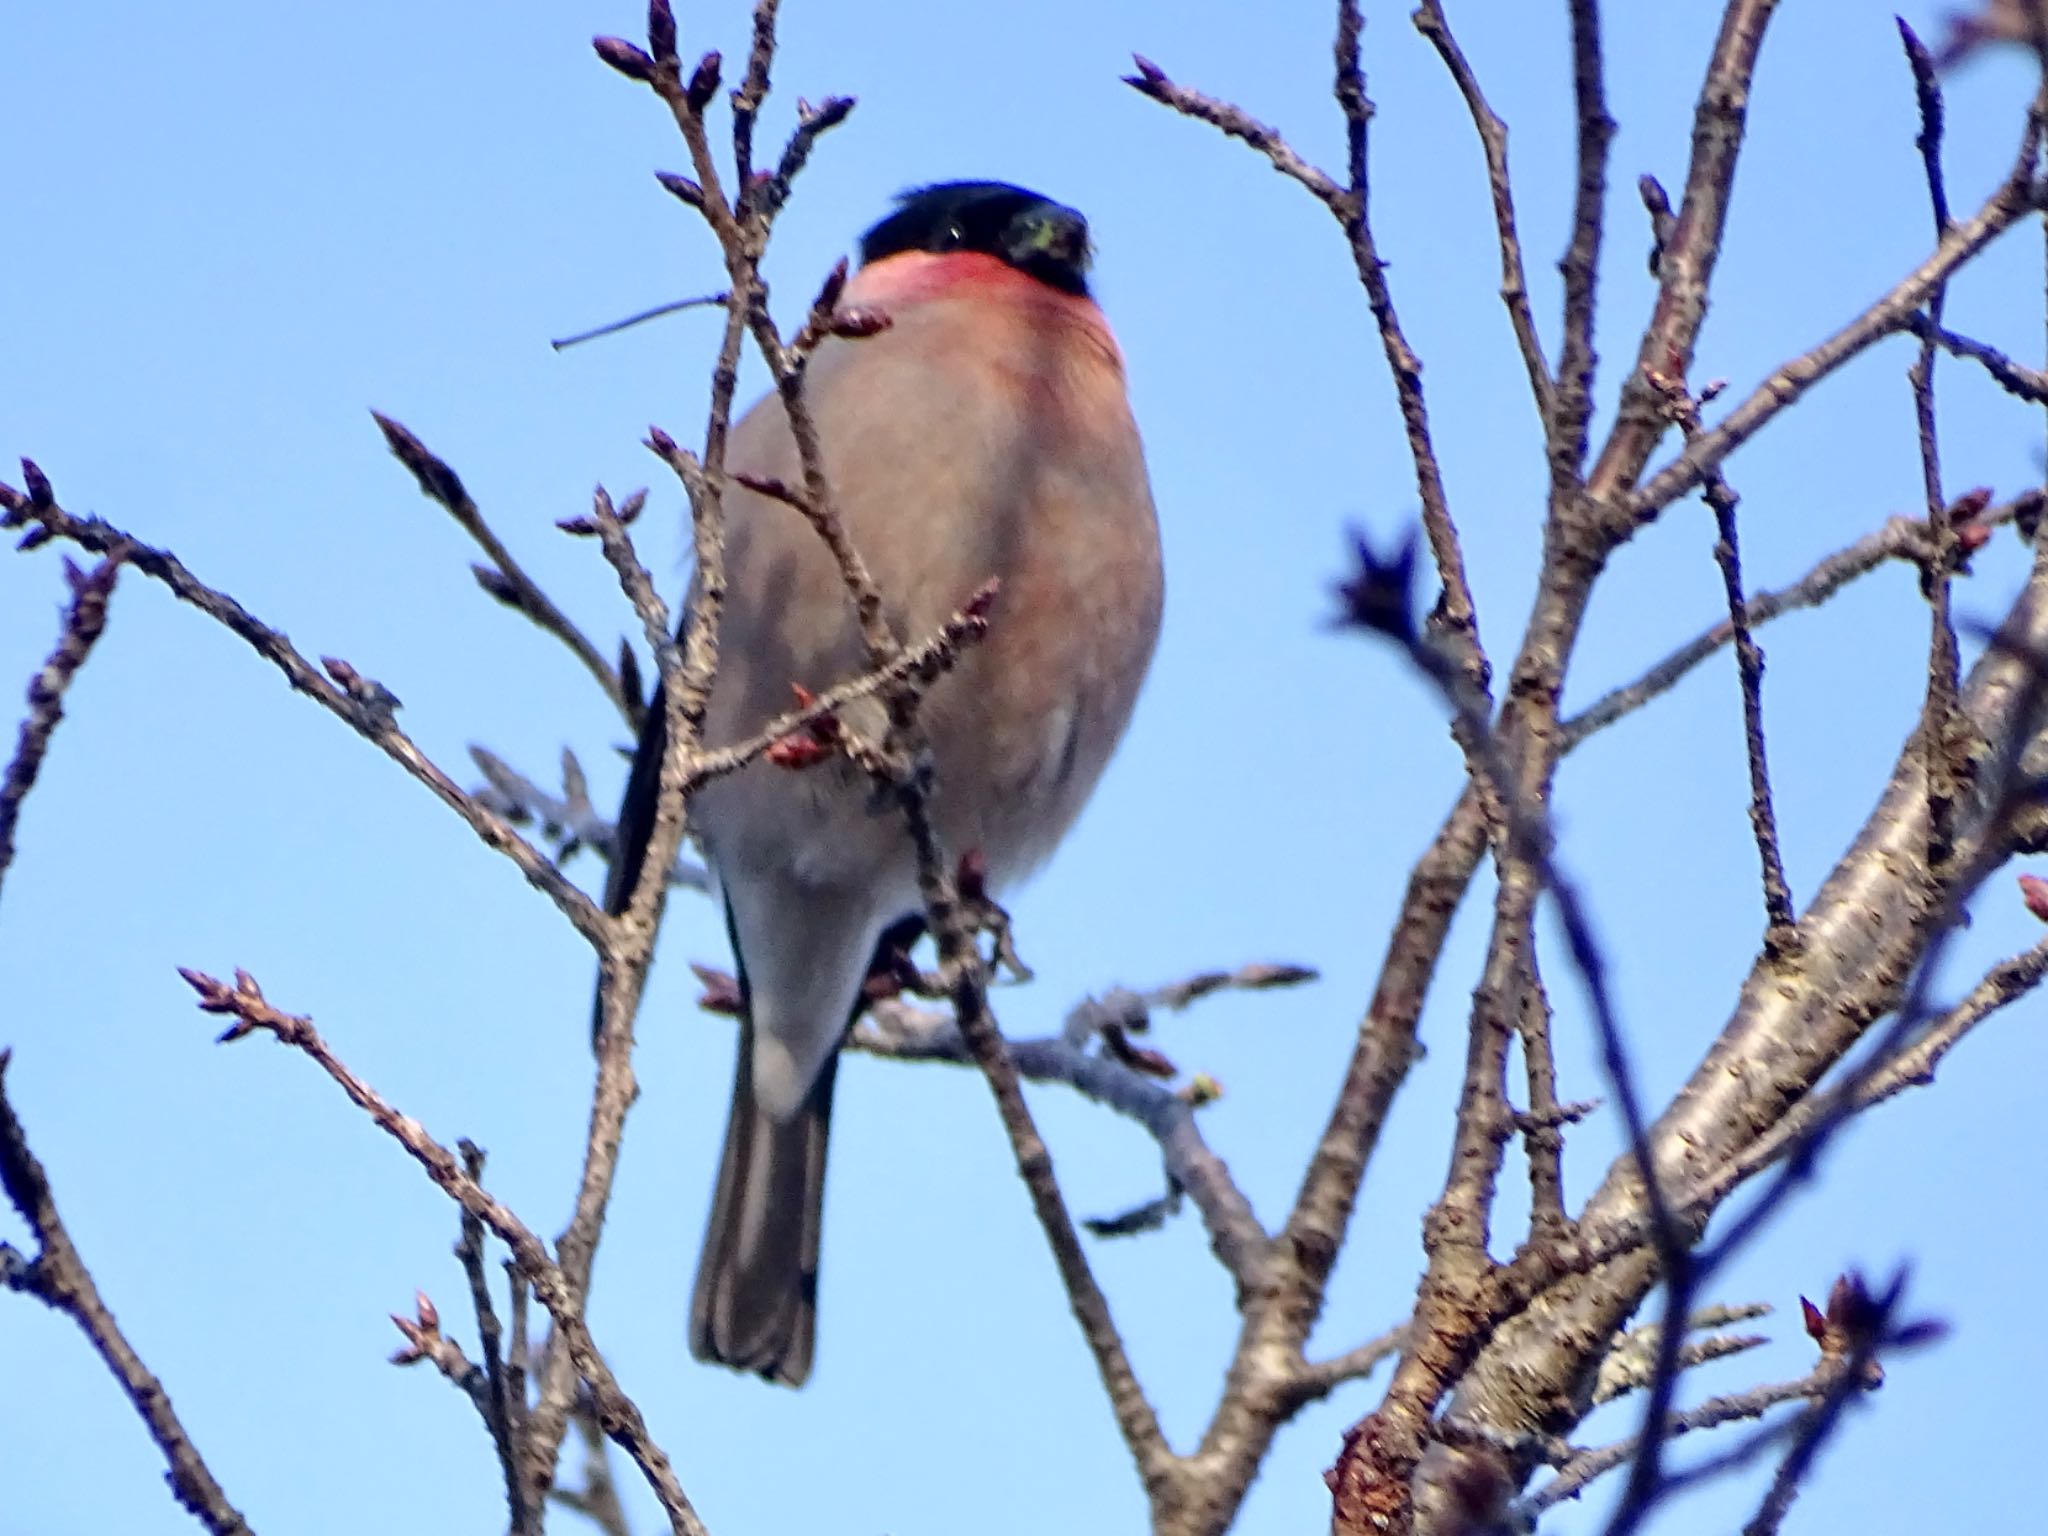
(635, 826)
(756, 1304)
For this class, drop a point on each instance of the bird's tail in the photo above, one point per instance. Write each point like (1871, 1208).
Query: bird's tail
(756, 1304)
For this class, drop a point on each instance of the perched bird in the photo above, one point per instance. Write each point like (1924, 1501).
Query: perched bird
(984, 433)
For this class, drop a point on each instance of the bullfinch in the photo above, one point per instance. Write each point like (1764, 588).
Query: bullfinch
(984, 433)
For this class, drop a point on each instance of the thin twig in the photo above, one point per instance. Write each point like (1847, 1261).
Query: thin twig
(1542, 1127)
(1585, 1466)
(960, 962)
(504, 578)
(1317, 1379)
(252, 1012)
(505, 1416)
(1685, 268)
(898, 1031)
(363, 706)
(635, 899)
(1845, 1375)
(1780, 929)
(598, 1499)
(568, 820)
(58, 1276)
(1456, 616)
(1150, 80)
(1630, 1364)
(424, 1340)
(2029, 384)
(1789, 382)
(1566, 430)
(1493, 141)
(1901, 538)
(1945, 767)
(84, 621)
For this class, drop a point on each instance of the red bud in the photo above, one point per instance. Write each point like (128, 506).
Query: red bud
(2034, 892)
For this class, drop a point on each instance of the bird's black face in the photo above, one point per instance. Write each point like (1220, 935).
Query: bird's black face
(1034, 234)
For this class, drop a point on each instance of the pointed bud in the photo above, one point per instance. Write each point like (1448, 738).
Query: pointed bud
(661, 442)
(769, 486)
(721, 991)
(833, 286)
(972, 875)
(629, 674)
(624, 57)
(1150, 78)
(495, 582)
(213, 997)
(829, 113)
(860, 322)
(40, 496)
(661, 31)
(703, 83)
(437, 481)
(681, 188)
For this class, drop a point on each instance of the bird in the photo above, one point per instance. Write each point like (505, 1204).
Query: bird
(984, 433)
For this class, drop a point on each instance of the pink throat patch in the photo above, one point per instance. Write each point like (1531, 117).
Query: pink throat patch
(914, 277)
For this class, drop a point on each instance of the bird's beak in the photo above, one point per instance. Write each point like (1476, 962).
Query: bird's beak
(1058, 233)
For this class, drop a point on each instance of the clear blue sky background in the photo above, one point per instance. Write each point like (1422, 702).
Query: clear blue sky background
(233, 228)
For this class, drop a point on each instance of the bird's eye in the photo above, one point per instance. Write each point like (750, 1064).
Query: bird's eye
(953, 236)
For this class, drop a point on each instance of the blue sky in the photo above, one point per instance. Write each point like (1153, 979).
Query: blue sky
(235, 228)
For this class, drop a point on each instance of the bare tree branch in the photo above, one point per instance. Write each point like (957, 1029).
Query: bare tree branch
(504, 1413)
(58, 1277)
(362, 705)
(504, 578)
(1567, 432)
(2029, 384)
(2013, 200)
(1241, 1244)
(84, 621)
(1493, 140)
(1901, 538)
(251, 1011)
(1944, 748)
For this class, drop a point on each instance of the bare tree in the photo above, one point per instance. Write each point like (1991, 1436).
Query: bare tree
(1501, 1358)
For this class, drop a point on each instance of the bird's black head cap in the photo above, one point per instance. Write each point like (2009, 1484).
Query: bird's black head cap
(1034, 234)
